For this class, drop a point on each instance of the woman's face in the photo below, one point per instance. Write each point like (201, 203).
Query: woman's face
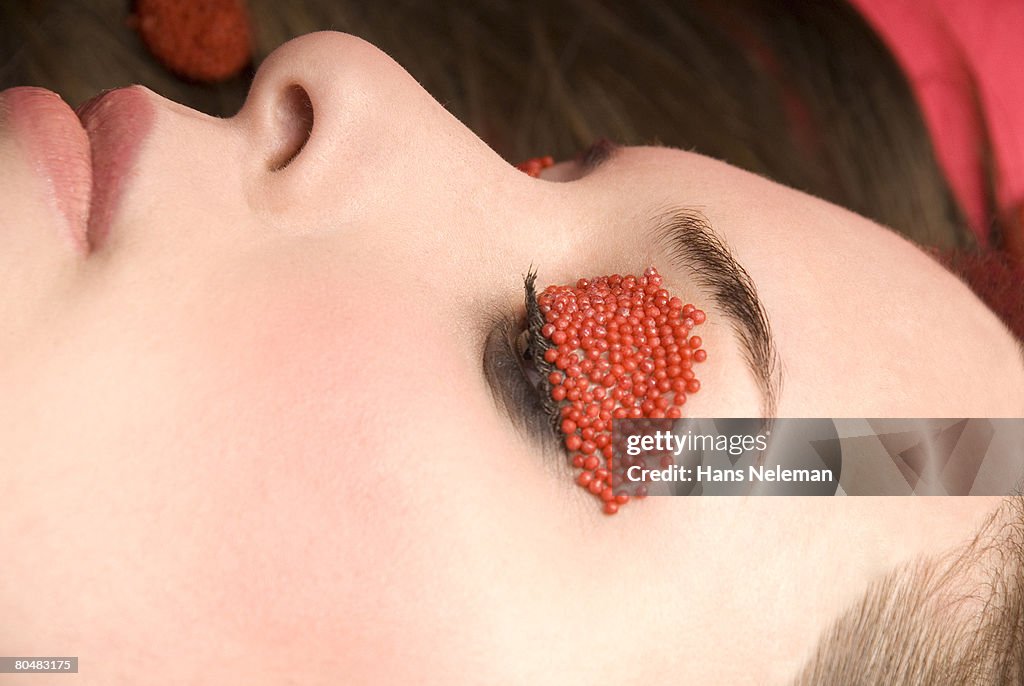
(248, 413)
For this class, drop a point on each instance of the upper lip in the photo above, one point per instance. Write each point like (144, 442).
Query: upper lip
(115, 121)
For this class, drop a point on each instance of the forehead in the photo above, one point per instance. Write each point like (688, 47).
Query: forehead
(869, 325)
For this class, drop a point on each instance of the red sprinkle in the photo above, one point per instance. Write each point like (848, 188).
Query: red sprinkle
(534, 165)
(624, 347)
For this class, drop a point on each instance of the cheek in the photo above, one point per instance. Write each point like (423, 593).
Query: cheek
(363, 497)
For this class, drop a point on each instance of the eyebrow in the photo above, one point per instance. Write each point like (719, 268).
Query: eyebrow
(693, 245)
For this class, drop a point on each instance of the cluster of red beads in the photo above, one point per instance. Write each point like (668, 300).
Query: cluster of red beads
(534, 165)
(621, 349)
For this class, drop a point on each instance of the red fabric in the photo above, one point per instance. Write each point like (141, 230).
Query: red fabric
(942, 45)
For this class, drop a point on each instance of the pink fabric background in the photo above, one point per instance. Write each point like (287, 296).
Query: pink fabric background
(941, 44)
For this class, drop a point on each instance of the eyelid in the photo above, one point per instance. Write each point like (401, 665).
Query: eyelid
(599, 152)
(513, 391)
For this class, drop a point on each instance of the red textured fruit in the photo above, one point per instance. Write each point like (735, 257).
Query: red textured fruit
(201, 40)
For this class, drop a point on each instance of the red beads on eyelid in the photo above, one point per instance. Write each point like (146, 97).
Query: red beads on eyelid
(623, 349)
(534, 165)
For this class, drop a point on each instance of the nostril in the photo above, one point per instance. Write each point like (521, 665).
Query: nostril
(293, 122)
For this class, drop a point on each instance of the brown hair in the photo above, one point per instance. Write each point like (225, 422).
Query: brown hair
(957, 618)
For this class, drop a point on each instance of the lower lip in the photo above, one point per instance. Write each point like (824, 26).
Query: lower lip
(58, 147)
(85, 159)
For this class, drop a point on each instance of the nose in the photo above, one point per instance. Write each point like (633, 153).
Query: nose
(343, 141)
(328, 114)
(316, 81)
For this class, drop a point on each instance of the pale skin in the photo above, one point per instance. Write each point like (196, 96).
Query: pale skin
(248, 436)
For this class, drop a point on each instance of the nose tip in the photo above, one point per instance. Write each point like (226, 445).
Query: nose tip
(332, 126)
(312, 88)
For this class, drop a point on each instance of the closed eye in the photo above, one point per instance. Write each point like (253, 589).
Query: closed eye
(518, 387)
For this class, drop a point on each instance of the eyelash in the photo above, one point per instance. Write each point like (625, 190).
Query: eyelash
(524, 388)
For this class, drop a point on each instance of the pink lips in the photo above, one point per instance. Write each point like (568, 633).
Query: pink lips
(85, 159)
